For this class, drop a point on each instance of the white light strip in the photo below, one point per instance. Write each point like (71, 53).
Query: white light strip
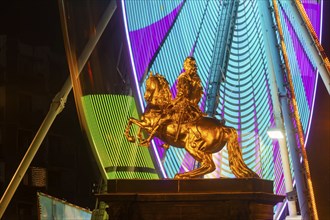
(282, 209)
(131, 56)
(312, 110)
(137, 84)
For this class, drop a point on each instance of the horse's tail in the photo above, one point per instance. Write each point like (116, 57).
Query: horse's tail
(236, 162)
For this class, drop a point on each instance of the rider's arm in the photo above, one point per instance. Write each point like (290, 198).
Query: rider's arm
(183, 87)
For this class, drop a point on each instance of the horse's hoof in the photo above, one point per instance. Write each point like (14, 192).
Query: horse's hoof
(166, 146)
(180, 176)
(145, 143)
(131, 139)
(177, 176)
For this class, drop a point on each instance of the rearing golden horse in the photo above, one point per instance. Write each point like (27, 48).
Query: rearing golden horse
(201, 137)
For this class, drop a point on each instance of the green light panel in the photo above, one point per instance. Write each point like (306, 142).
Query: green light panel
(106, 120)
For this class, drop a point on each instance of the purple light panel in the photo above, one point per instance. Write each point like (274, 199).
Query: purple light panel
(308, 73)
(144, 46)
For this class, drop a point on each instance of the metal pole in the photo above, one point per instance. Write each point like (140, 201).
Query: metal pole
(313, 45)
(303, 180)
(273, 61)
(287, 176)
(56, 107)
(282, 144)
(297, 166)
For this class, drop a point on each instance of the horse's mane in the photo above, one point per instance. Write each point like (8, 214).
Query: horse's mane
(164, 86)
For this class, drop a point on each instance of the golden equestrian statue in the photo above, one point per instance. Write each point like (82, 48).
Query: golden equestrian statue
(180, 123)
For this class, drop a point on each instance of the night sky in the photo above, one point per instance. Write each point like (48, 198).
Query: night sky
(37, 22)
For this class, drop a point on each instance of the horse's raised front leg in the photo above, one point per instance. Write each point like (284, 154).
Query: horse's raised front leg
(140, 124)
(151, 135)
(153, 131)
(142, 142)
(129, 137)
(139, 134)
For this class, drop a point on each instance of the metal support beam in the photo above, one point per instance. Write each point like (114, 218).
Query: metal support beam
(56, 107)
(273, 62)
(308, 207)
(221, 52)
(302, 174)
(299, 20)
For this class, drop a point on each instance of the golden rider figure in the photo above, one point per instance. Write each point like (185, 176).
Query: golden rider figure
(189, 92)
(182, 124)
(184, 108)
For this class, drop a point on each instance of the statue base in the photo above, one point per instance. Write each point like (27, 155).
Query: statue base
(190, 199)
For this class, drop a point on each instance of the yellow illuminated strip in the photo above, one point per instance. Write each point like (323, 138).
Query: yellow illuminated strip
(310, 190)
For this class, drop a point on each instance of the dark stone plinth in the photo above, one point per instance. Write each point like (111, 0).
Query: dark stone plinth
(191, 199)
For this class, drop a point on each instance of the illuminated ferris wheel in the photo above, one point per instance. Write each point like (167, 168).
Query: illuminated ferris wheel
(250, 54)
(258, 62)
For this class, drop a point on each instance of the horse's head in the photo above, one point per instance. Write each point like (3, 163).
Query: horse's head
(157, 90)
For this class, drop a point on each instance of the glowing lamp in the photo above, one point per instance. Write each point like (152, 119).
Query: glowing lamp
(275, 133)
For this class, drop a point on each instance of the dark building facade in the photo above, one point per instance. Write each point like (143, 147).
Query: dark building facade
(30, 76)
